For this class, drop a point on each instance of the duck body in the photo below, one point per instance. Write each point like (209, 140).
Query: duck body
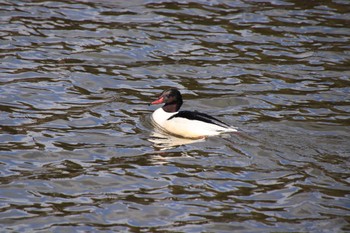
(188, 124)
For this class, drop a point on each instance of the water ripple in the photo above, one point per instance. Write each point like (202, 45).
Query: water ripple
(79, 153)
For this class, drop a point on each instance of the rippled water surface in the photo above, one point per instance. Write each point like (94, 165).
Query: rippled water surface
(78, 152)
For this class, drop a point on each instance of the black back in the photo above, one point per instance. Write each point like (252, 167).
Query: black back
(200, 117)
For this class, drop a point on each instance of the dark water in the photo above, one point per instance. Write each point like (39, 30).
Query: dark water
(78, 152)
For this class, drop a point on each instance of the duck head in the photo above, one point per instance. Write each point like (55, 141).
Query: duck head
(171, 99)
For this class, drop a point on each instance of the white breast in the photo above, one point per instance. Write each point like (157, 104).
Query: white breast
(160, 117)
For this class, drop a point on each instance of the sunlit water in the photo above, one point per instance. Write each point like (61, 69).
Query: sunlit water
(78, 151)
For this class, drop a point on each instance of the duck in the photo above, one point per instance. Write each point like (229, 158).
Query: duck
(186, 124)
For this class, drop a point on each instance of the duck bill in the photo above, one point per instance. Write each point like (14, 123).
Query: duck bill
(158, 101)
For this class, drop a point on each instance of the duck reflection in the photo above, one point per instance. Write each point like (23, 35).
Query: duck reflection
(165, 141)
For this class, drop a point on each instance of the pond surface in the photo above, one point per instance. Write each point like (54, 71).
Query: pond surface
(78, 151)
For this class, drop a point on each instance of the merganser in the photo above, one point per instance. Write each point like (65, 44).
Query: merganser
(187, 124)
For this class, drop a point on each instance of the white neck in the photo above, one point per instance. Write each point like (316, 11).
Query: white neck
(160, 116)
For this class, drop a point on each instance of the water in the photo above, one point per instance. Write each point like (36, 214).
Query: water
(78, 152)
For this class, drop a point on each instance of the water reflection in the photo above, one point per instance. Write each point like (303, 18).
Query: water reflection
(165, 141)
